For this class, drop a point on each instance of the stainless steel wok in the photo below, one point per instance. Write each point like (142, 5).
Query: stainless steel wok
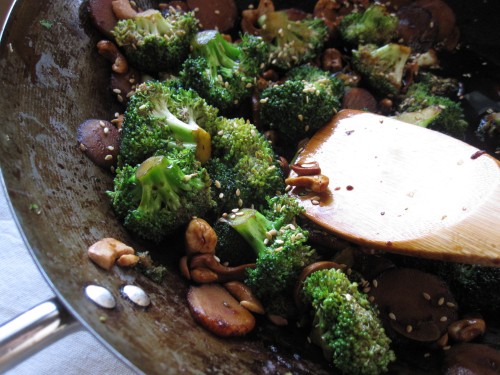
(51, 80)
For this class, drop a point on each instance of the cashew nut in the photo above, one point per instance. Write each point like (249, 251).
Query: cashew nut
(200, 237)
(466, 330)
(106, 251)
(110, 52)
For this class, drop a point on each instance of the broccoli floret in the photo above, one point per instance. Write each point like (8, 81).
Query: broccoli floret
(382, 67)
(292, 43)
(472, 285)
(222, 72)
(159, 118)
(157, 197)
(280, 247)
(373, 25)
(439, 113)
(302, 104)
(346, 325)
(154, 43)
(246, 169)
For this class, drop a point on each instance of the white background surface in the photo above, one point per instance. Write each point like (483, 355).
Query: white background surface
(22, 287)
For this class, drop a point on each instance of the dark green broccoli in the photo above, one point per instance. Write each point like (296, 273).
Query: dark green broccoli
(245, 169)
(157, 197)
(439, 113)
(373, 25)
(280, 247)
(302, 104)
(223, 73)
(159, 118)
(154, 43)
(292, 43)
(382, 68)
(346, 325)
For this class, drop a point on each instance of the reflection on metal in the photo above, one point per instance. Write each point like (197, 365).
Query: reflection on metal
(101, 296)
(136, 295)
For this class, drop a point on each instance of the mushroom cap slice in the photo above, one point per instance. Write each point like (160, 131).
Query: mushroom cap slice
(217, 310)
(414, 305)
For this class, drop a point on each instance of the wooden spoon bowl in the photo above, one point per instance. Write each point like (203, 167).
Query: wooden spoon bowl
(405, 189)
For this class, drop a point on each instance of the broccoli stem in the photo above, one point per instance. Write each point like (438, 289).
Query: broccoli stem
(189, 134)
(253, 227)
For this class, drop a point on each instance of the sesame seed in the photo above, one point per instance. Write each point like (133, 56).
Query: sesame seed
(375, 283)
(306, 128)
(315, 202)
(102, 124)
(280, 242)
(217, 184)
(288, 188)
(221, 195)
(371, 298)
(450, 304)
(240, 213)
(443, 319)
(273, 232)
(232, 216)
(426, 296)
(279, 248)
(427, 355)
(367, 289)
(240, 202)
(120, 98)
(409, 328)
(238, 192)
(234, 210)
(248, 85)
(392, 316)
(83, 147)
(266, 241)
(447, 347)
(108, 157)
(441, 301)
(300, 117)
(117, 91)
(264, 100)
(106, 130)
(220, 132)
(110, 148)
(217, 11)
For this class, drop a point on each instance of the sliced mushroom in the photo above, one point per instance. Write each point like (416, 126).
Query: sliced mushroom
(251, 16)
(245, 296)
(102, 16)
(99, 140)
(359, 98)
(471, 359)
(123, 9)
(210, 263)
(413, 305)
(218, 15)
(217, 310)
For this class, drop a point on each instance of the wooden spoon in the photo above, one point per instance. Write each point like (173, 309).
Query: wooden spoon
(404, 189)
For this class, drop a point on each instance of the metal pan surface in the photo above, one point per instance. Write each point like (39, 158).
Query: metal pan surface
(51, 80)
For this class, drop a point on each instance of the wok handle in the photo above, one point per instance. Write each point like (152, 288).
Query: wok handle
(32, 331)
